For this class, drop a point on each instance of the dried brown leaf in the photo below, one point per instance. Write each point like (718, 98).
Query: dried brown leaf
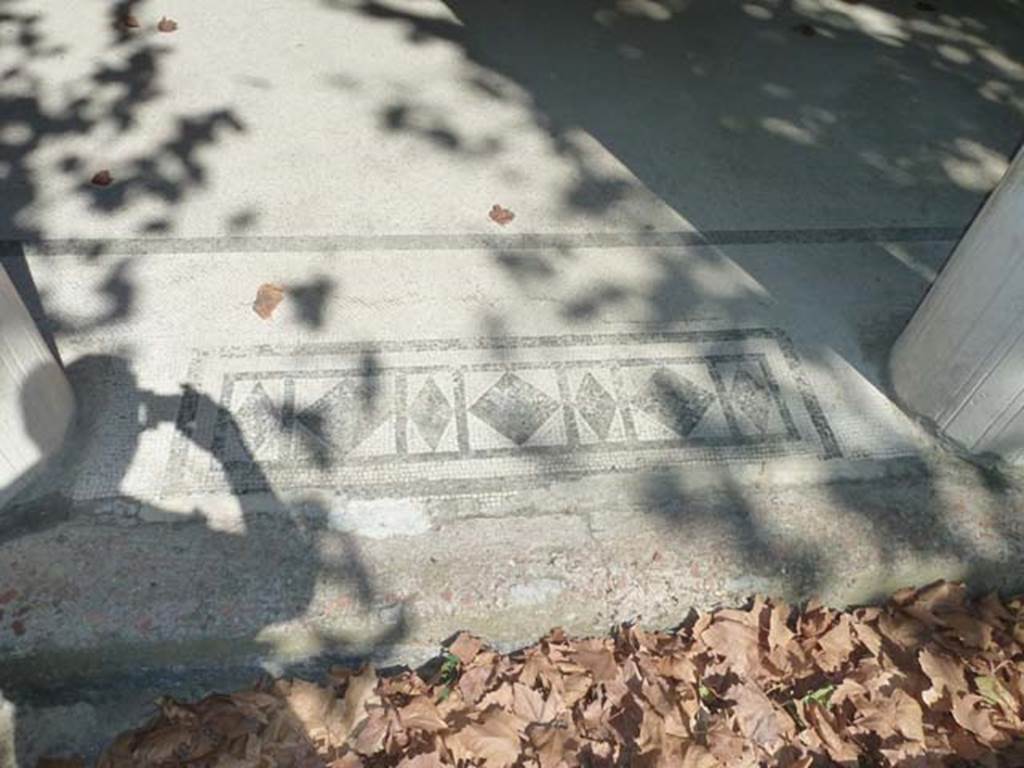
(728, 747)
(466, 647)
(493, 740)
(825, 726)
(946, 675)
(538, 667)
(903, 631)
(815, 620)
(501, 215)
(498, 697)
(757, 717)
(868, 636)
(360, 697)
(738, 643)
(970, 630)
(937, 597)
(699, 756)
(421, 714)
(908, 719)
(310, 703)
(679, 668)
(167, 25)
(268, 296)
(779, 634)
(599, 662)
(651, 735)
(574, 687)
(371, 732)
(528, 704)
(165, 743)
(973, 714)
(554, 746)
(835, 646)
(626, 718)
(593, 719)
(473, 684)
(430, 759)
(102, 179)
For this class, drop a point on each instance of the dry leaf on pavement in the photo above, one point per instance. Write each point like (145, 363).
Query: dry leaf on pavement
(268, 296)
(167, 25)
(501, 215)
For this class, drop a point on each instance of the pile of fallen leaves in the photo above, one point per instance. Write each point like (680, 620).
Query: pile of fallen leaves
(929, 679)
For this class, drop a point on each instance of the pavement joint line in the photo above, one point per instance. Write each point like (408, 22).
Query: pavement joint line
(469, 241)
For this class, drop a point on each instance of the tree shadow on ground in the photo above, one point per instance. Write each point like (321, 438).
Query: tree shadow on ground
(890, 113)
(890, 123)
(771, 130)
(107, 101)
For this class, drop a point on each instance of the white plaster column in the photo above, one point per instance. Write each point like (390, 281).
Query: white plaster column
(36, 402)
(960, 361)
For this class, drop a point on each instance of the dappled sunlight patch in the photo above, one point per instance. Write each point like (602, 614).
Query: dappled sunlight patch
(647, 9)
(954, 54)
(777, 91)
(290, 641)
(758, 11)
(1000, 92)
(886, 28)
(788, 130)
(1009, 67)
(974, 166)
(379, 518)
(904, 256)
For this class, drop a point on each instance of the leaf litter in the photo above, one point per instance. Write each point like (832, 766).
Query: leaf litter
(932, 678)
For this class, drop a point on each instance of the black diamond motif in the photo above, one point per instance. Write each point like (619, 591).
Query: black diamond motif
(515, 408)
(254, 424)
(431, 412)
(347, 413)
(674, 401)
(596, 405)
(753, 398)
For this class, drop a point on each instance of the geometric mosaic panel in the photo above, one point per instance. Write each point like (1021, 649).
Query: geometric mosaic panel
(454, 416)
